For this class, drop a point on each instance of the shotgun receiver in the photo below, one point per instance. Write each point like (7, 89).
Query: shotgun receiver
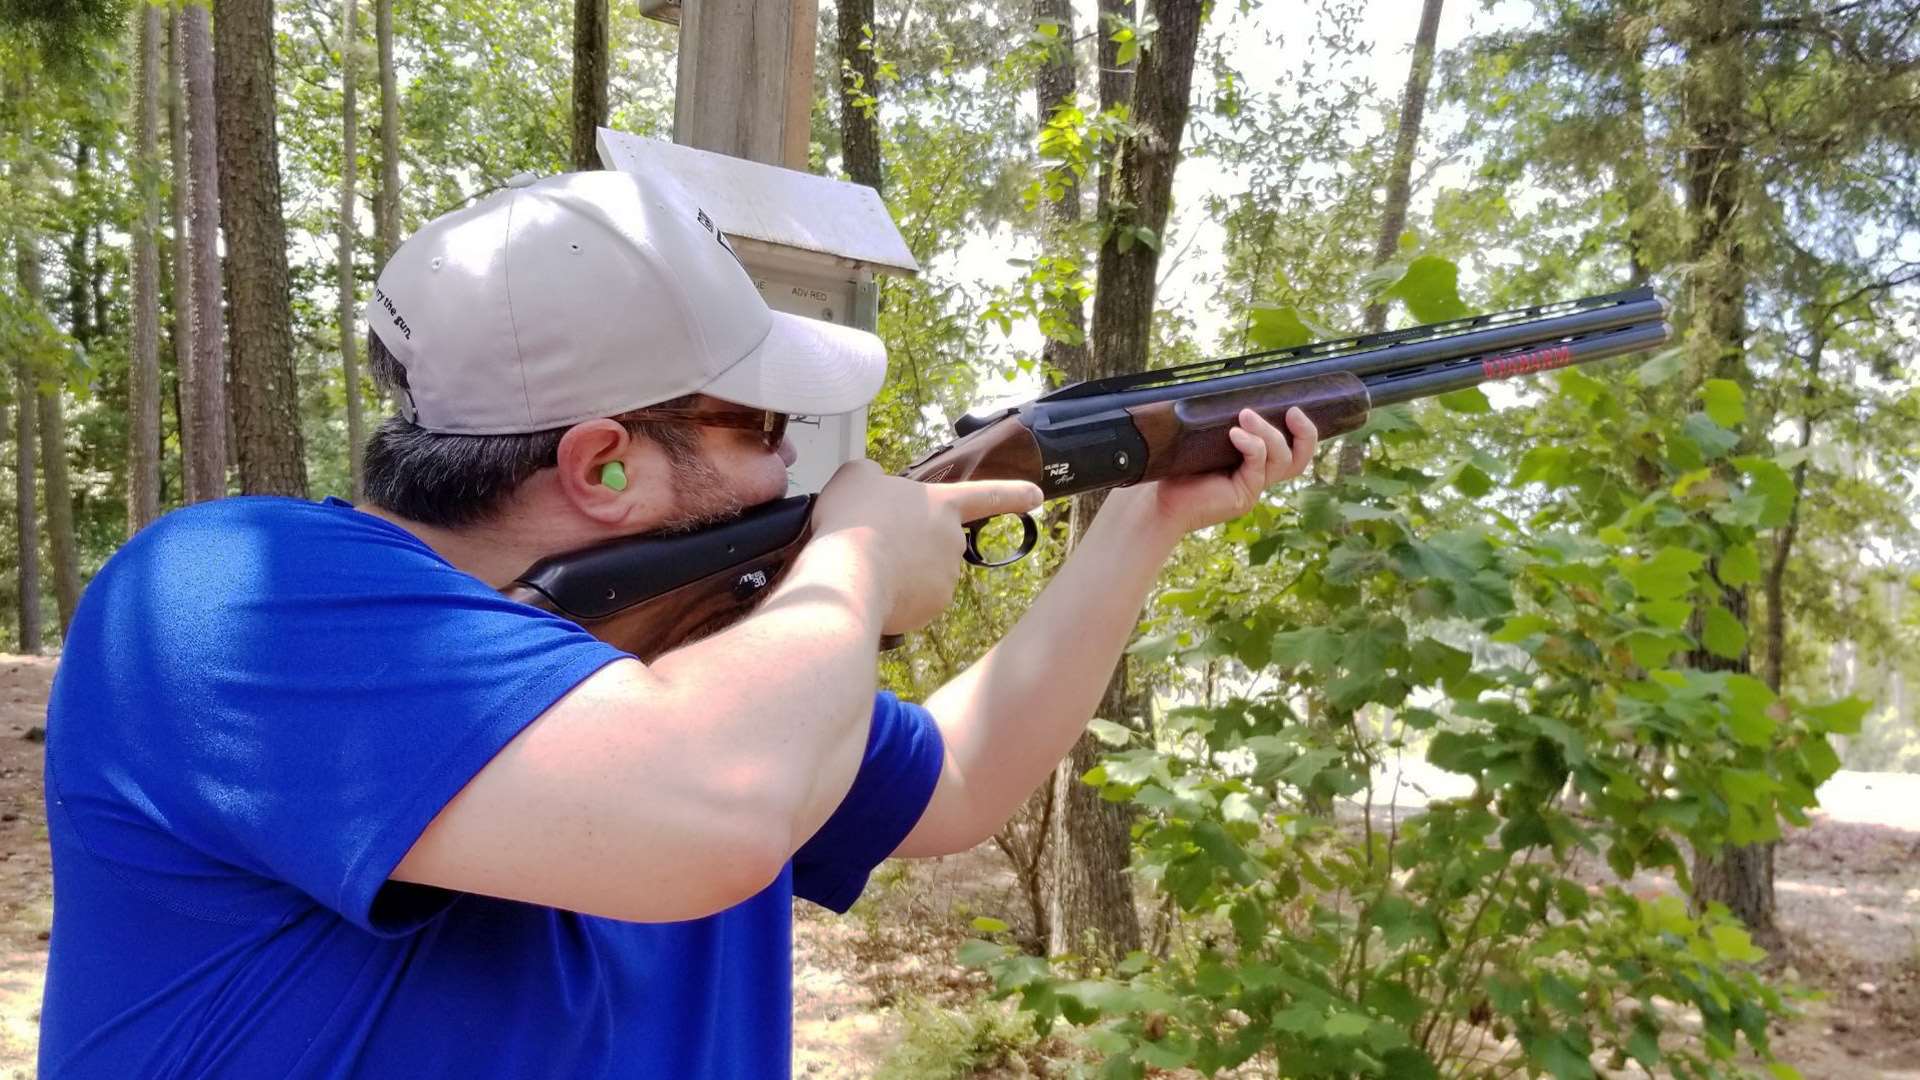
(648, 595)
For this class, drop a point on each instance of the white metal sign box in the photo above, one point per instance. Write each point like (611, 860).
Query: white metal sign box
(812, 245)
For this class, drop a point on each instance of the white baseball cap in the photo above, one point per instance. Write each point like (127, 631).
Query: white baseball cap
(585, 295)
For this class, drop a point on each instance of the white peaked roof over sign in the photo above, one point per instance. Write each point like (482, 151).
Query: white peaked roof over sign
(772, 205)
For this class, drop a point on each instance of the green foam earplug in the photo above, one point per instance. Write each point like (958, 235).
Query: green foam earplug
(614, 475)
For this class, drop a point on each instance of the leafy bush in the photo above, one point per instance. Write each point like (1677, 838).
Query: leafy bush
(938, 1043)
(1558, 648)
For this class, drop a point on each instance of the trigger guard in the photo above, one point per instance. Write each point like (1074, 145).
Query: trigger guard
(1030, 537)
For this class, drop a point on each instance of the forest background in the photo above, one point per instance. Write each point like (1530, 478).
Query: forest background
(1640, 612)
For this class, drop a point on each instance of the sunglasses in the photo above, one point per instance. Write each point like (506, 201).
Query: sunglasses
(771, 425)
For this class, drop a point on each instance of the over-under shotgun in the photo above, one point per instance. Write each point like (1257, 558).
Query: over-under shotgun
(648, 595)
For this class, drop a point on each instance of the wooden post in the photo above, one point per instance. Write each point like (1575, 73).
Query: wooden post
(746, 78)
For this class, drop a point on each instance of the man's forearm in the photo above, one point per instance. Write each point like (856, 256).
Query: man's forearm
(1010, 717)
(801, 670)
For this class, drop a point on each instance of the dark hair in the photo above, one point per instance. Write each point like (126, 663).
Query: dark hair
(453, 480)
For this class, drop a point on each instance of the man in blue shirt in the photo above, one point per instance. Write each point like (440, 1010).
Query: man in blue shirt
(323, 802)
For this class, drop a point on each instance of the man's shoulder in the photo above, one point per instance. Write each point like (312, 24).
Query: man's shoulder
(244, 516)
(201, 570)
(264, 534)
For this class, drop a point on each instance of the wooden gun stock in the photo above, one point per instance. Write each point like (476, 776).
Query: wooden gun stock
(649, 595)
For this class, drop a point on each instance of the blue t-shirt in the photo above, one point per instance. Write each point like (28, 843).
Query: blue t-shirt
(262, 704)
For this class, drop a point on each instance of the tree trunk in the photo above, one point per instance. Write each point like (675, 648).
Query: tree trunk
(1056, 84)
(1774, 585)
(26, 439)
(1713, 91)
(1413, 109)
(1093, 896)
(1028, 839)
(143, 376)
(1090, 908)
(50, 422)
(859, 95)
(1393, 218)
(349, 310)
(58, 490)
(1089, 842)
(589, 78)
(1641, 184)
(182, 254)
(1142, 191)
(205, 376)
(386, 214)
(266, 399)
(1114, 84)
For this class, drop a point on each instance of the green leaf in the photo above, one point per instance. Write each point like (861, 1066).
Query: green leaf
(988, 925)
(1840, 717)
(1749, 702)
(1773, 485)
(1471, 401)
(1163, 1056)
(1301, 1019)
(1660, 367)
(978, 954)
(1644, 1045)
(1670, 614)
(1520, 628)
(1468, 479)
(1738, 565)
(1559, 1057)
(1725, 402)
(1431, 290)
(1346, 1025)
(1407, 1063)
(1713, 440)
(1747, 786)
(1315, 646)
(1651, 651)
(1317, 512)
(1722, 634)
(1274, 327)
(1733, 943)
(1375, 646)
(1109, 732)
(1665, 576)
(1434, 661)
(1551, 465)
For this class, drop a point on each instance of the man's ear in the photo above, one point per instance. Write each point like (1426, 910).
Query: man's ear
(585, 452)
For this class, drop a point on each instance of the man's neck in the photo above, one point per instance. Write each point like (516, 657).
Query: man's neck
(498, 550)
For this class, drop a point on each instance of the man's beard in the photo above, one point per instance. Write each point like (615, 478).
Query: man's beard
(703, 495)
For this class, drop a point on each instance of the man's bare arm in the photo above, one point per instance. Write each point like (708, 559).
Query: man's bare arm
(1012, 716)
(675, 790)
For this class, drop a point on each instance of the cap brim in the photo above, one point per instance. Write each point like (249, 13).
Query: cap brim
(808, 367)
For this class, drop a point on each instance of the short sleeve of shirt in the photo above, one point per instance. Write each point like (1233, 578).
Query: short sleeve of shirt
(267, 695)
(895, 782)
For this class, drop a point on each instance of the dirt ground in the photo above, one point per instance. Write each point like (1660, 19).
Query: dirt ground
(1848, 893)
